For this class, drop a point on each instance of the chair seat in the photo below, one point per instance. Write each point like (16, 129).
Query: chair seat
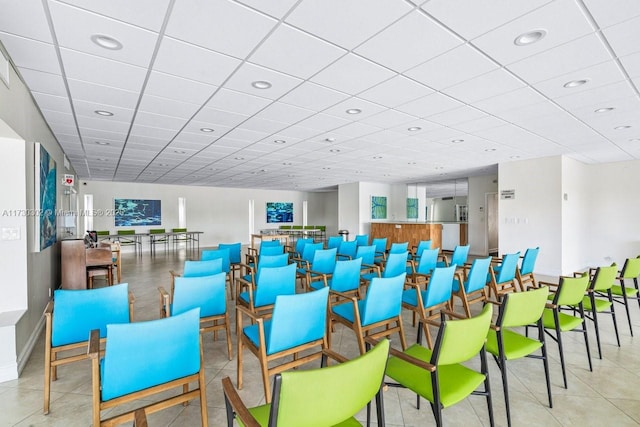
(455, 287)
(369, 276)
(515, 344)
(316, 285)
(261, 414)
(456, 381)
(567, 321)
(410, 297)
(253, 333)
(601, 304)
(630, 291)
(346, 310)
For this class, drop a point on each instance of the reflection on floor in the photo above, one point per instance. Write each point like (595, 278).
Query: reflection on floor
(607, 396)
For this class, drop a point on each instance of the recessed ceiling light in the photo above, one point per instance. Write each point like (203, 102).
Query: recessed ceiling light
(442, 174)
(414, 128)
(291, 176)
(490, 150)
(514, 157)
(102, 143)
(604, 110)
(164, 165)
(206, 130)
(386, 174)
(439, 167)
(326, 168)
(530, 37)
(239, 158)
(261, 84)
(287, 163)
(329, 139)
(411, 163)
(622, 127)
(457, 141)
(103, 113)
(102, 160)
(280, 141)
(634, 140)
(575, 83)
(179, 151)
(354, 111)
(377, 157)
(106, 42)
(335, 150)
(358, 171)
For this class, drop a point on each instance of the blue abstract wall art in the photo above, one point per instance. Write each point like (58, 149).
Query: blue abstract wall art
(137, 212)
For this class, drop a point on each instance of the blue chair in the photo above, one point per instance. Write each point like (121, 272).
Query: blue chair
(362, 240)
(474, 288)
(458, 257)
(417, 250)
(428, 304)
(399, 247)
(253, 272)
(381, 249)
(197, 269)
(299, 247)
(143, 359)
(334, 242)
(267, 247)
(378, 315)
(304, 262)
(395, 265)
(344, 279)
(298, 324)
(322, 266)
(421, 272)
(235, 256)
(524, 273)
(502, 278)
(69, 319)
(206, 293)
(368, 256)
(225, 256)
(348, 249)
(271, 282)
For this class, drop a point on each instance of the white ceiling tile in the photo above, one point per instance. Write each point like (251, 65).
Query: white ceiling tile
(87, 109)
(220, 25)
(346, 23)
(102, 124)
(603, 94)
(562, 19)
(192, 133)
(213, 117)
(455, 66)
(28, 20)
(510, 100)
(352, 74)
(275, 8)
(102, 95)
(462, 16)
(152, 132)
(611, 12)
(624, 37)
(193, 62)
(321, 122)
(631, 64)
(106, 72)
(352, 130)
(395, 91)
(160, 121)
(32, 54)
(388, 118)
(144, 13)
(486, 122)
(457, 115)
(52, 102)
(177, 88)
(313, 96)
(42, 82)
(237, 102)
(279, 111)
(267, 126)
(429, 105)
(299, 131)
(90, 136)
(243, 78)
(167, 107)
(485, 86)
(296, 53)
(75, 27)
(367, 109)
(576, 55)
(408, 42)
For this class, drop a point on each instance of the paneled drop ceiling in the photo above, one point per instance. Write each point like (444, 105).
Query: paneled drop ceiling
(356, 90)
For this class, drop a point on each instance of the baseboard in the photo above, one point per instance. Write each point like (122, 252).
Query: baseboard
(24, 355)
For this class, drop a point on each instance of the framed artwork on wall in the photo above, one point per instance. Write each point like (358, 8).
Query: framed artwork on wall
(45, 198)
(378, 207)
(137, 212)
(279, 212)
(412, 208)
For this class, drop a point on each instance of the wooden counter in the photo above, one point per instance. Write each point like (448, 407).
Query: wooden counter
(411, 232)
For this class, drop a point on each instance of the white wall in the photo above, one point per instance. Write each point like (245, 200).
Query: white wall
(325, 211)
(368, 189)
(576, 215)
(349, 207)
(479, 187)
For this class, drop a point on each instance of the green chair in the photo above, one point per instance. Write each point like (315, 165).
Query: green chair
(180, 238)
(599, 298)
(569, 294)
(622, 293)
(504, 343)
(127, 241)
(158, 236)
(319, 397)
(439, 375)
(102, 233)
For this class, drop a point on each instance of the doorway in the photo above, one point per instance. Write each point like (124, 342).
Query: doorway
(492, 224)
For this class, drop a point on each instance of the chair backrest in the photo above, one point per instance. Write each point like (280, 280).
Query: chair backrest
(77, 312)
(271, 250)
(571, 290)
(324, 261)
(301, 242)
(179, 230)
(362, 239)
(137, 355)
(309, 250)
(274, 242)
(235, 251)
(477, 277)
(383, 300)
(631, 268)
(346, 275)
(298, 319)
(396, 264)
(223, 254)
(460, 340)
(507, 269)
(103, 232)
(422, 245)
(334, 242)
(339, 391)
(529, 260)
(274, 281)
(202, 268)
(157, 231)
(367, 254)
(428, 261)
(399, 247)
(205, 292)
(522, 308)
(126, 232)
(281, 260)
(440, 286)
(460, 255)
(604, 277)
(348, 248)
(380, 243)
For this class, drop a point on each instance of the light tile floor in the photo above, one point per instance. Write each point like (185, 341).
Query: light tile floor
(607, 396)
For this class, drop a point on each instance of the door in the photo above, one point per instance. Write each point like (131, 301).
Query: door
(492, 223)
